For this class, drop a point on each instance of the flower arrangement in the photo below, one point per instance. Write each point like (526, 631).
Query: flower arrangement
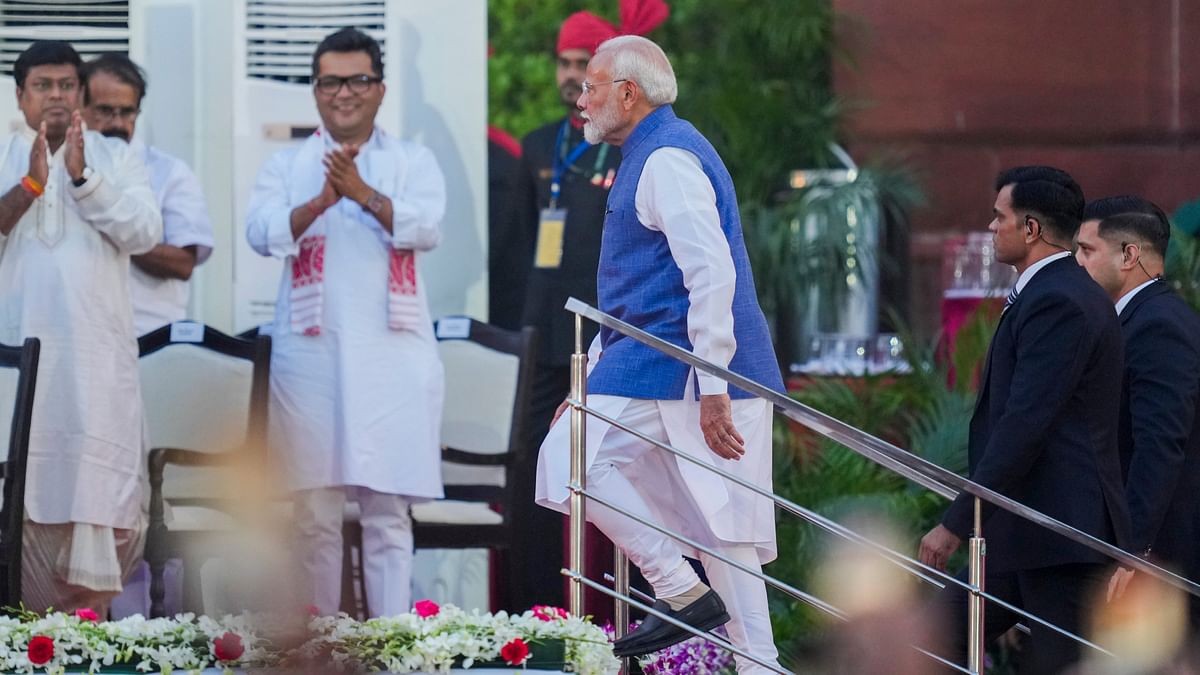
(437, 638)
(431, 639)
(59, 642)
(691, 657)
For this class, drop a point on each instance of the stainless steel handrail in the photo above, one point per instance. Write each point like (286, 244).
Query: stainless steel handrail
(896, 558)
(918, 469)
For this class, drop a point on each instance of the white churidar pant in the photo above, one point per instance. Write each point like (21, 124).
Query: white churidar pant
(387, 547)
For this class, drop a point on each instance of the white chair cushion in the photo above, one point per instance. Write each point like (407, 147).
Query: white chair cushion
(446, 512)
(199, 519)
(195, 398)
(481, 387)
(441, 512)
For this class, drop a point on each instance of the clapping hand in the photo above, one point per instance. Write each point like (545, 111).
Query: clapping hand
(342, 174)
(73, 155)
(39, 157)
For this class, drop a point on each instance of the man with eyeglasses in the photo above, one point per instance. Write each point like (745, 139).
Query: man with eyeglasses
(565, 184)
(75, 206)
(114, 87)
(1122, 244)
(356, 383)
(674, 264)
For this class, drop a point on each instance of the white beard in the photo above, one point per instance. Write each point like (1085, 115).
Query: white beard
(597, 126)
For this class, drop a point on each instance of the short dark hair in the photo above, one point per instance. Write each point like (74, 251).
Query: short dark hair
(1111, 206)
(119, 66)
(45, 53)
(1049, 192)
(1142, 228)
(350, 39)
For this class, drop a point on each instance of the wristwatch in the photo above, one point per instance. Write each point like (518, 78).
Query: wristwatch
(375, 202)
(83, 177)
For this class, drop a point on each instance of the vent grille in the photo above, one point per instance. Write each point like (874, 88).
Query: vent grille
(281, 35)
(92, 27)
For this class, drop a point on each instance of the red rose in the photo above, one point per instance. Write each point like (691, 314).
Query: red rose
(228, 647)
(426, 608)
(514, 653)
(41, 650)
(86, 614)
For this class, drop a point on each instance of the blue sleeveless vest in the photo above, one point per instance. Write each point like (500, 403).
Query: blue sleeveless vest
(640, 283)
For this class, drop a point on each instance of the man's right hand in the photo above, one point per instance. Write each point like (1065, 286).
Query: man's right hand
(39, 157)
(562, 408)
(326, 198)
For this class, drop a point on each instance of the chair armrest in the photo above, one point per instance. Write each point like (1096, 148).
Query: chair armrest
(475, 458)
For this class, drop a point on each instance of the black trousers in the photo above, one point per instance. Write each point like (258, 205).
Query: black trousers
(1062, 595)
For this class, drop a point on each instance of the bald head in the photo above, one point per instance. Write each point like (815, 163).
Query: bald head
(632, 57)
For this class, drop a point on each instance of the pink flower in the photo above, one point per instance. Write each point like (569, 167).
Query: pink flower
(86, 614)
(312, 610)
(549, 613)
(515, 652)
(426, 608)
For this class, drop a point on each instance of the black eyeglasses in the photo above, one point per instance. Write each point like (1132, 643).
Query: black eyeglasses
(330, 85)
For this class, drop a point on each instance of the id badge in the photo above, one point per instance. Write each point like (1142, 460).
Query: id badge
(550, 239)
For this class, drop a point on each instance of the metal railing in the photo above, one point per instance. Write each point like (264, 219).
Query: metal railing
(912, 467)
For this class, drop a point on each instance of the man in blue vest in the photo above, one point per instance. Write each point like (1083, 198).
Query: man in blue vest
(673, 263)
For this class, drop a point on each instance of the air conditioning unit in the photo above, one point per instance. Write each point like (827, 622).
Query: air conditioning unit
(229, 84)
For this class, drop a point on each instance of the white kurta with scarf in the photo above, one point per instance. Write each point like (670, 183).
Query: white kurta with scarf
(359, 404)
(64, 278)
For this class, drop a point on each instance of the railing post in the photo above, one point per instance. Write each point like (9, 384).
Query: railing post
(978, 549)
(621, 609)
(578, 465)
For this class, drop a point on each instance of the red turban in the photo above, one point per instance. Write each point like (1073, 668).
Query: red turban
(584, 30)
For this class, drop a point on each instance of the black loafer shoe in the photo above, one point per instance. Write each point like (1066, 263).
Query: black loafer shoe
(704, 614)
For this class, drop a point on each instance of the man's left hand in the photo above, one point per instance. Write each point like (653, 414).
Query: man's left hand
(716, 422)
(73, 155)
(938, 546)
(342, 174)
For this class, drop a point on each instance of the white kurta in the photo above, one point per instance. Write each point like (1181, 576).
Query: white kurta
(158, 301)
(359, 404)
(674, 196)
(64, 278)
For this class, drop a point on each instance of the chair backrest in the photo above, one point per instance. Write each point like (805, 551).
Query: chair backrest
(18, 379)
(204, 391)
(488, 382)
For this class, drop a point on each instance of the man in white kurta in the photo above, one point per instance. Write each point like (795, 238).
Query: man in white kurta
(64, 270)
(684, 214)
(356, 383)
(160, 279)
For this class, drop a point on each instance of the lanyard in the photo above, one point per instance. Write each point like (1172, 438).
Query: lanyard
(564, 159)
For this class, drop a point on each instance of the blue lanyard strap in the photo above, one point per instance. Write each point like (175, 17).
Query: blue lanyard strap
(562, 160)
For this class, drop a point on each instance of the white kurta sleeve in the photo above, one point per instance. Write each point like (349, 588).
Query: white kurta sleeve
(675, 197)
(269, 216)
(417, 213)
(185, 212)
(118, 202)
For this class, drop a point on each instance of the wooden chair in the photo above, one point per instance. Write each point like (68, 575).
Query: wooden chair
(18, 378)
(489, 376)
(205, 399)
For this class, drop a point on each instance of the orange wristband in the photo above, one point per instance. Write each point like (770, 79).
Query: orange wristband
(31, 186)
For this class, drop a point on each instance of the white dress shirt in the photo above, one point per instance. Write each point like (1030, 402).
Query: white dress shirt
(158, 301)
(1125, 299)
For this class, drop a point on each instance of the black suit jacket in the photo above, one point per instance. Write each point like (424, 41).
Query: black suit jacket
(585, 202)
(1160, 425)
(1044, 430)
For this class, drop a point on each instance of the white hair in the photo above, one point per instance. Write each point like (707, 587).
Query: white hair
(638, 59)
